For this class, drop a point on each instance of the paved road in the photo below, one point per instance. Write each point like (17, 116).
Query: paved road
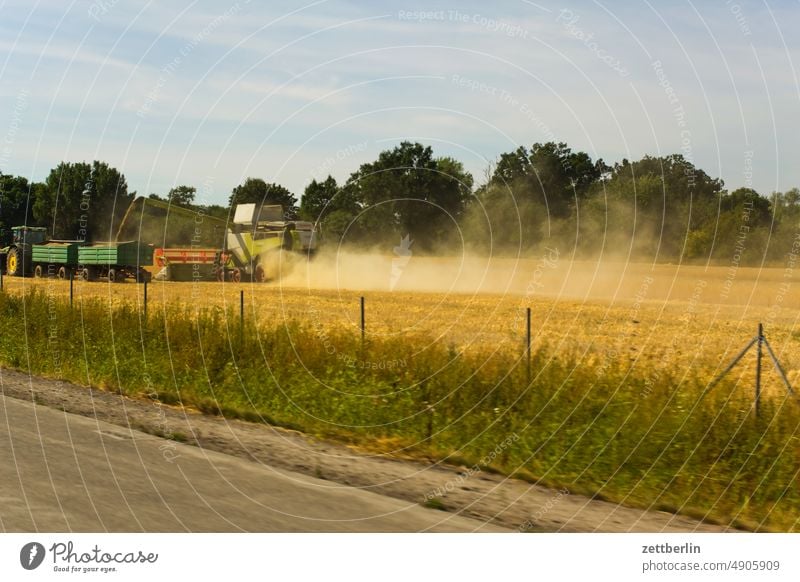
(62, 472)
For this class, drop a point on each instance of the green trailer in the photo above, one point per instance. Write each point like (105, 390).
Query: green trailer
(115, 261)
(57, 258)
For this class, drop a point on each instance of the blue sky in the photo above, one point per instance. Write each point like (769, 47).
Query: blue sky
(208, 93)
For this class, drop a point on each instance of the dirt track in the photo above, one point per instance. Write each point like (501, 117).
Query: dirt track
(479, 495)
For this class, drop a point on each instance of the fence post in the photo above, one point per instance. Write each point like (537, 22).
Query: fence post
(528, 342)
(759, 341)
(759, 345)
(363, 320)
(1, 278)
(241, 317)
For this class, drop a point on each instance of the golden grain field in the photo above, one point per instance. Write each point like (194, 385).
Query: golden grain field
(690, 318)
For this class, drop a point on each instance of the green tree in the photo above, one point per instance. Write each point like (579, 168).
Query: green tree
(791, 198)
(258, 191)
(319, 197)
(658, 208)
(458, 184)
(83, 200)
(499, 222)
(16, 198)
(407, 191)
(785, 237)
(742, 230)
(550, 174)
(532, 198)
(182, 196)
(335, 224)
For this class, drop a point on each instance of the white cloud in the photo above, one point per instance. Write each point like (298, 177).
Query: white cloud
(60, 51)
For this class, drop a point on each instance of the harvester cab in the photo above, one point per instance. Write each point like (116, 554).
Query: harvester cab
(16, 257)
(260, 233)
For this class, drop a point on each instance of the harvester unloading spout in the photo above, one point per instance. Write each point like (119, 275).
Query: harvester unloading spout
(136, 224)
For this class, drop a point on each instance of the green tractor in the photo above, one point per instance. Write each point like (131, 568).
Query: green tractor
(16, 258)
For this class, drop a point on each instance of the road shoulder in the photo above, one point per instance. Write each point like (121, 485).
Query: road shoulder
(488, 498)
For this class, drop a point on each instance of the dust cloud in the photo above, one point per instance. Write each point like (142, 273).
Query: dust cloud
(543, 274)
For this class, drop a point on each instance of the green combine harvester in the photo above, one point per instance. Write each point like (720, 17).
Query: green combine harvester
(256, 242)
(257, 245)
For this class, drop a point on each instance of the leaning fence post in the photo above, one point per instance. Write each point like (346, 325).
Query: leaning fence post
(779, 368)
(759, 341)
(759, 345)
(241, 316)
(1, 278)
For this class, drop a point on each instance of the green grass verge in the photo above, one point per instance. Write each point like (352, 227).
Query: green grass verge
(599, 428)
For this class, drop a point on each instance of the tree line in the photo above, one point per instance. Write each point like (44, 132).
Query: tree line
(662, 209)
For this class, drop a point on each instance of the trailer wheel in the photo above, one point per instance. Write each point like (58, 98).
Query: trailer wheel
(236, 276)
(89, 274)
(220, 274)
(62, 273)
(37, 271)
(113, 276)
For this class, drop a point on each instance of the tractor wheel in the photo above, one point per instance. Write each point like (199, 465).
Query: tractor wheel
(220, 274)
(38, 272)
(62, 273)
(85, 274)
(260, 274)
(236, 275)
(13, 264)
